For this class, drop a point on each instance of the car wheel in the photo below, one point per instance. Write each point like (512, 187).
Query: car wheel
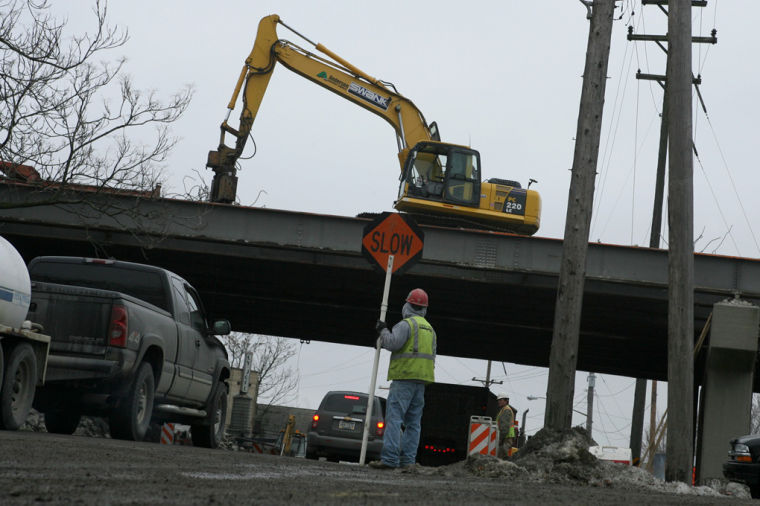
(19, 383)
(62, 421)
(131, 417)
(210, 434)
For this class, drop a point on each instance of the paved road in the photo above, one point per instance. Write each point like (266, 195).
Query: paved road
(52, 469)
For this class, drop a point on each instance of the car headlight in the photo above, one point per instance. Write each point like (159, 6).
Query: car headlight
(740, 453)
(741, 448)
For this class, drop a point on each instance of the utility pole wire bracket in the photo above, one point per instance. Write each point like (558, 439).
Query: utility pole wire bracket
(588, 5)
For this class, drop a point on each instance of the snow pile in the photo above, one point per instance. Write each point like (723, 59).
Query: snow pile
(563, 457)
(560, 457)
(487, 466)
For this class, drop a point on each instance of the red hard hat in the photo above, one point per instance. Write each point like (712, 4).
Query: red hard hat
(418, 297)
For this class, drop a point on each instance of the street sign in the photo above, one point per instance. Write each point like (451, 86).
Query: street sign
(392, 234)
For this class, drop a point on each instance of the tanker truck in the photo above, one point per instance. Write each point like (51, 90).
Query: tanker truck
(23, 347)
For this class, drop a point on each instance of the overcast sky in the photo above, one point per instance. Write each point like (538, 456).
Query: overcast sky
(502, 76)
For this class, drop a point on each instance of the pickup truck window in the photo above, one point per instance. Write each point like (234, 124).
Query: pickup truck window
(183, 311)
(142, 285)
(196, 314)
(188, 306)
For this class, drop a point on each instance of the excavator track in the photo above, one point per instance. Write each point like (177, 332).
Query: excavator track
(447, 222)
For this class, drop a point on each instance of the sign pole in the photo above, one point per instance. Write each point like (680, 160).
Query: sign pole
(373, 380)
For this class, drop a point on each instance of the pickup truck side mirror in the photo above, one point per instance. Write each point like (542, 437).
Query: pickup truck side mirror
(221, 328)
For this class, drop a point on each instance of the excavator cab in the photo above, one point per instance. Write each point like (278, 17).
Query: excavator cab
(441, 172)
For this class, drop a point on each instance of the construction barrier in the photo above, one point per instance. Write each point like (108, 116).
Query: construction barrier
(616, 454)
(493, 445)
(167, 434)
(480, 435)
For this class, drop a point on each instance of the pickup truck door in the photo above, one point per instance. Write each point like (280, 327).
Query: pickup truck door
(186, 348)
(204, 359)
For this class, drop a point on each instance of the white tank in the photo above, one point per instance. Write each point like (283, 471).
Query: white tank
(15, 288)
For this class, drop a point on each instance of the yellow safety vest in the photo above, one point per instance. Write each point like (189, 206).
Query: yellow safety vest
(511, 432)
(415, 360)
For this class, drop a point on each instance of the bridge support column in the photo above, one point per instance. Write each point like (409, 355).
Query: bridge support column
(727, 384)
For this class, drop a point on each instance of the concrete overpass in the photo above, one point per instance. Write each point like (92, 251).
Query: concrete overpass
(302, 275)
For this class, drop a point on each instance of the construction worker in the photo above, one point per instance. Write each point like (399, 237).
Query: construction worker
(506, 422)
(412, 343)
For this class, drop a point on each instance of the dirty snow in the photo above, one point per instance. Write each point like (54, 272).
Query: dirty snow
(563, 457)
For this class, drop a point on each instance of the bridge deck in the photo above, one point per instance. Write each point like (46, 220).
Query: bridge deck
(303, 276)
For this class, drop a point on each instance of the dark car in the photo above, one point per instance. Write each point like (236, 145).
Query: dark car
(743, 463)
(338, 425)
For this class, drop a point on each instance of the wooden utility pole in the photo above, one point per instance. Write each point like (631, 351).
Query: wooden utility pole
(637, 418)
(567, 318)
(652, 445)
(639, 396)
(681, 247)
(590, 403)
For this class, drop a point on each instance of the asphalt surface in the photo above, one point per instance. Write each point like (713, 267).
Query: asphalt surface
(41, 468)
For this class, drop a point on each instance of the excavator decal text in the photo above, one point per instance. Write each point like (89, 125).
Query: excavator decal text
(370, 96)
(333, 79)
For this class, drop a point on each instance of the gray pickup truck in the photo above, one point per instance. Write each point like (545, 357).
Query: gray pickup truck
(131, 343)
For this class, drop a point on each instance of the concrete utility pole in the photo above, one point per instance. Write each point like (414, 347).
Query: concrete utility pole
(681, 247)
(590, 402)
(567, 318)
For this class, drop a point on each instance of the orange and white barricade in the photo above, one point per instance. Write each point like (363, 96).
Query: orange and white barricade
(167, 434)
(480, 435)
(493, 444)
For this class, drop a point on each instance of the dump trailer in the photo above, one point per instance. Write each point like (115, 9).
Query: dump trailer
(446, 421)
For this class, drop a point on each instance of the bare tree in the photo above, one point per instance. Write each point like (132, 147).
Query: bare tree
(277, 382)
(72, 116)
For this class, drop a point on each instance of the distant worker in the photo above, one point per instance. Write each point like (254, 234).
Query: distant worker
(506, 422)
(412, 343)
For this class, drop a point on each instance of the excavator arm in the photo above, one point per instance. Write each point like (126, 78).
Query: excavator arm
(329, 71)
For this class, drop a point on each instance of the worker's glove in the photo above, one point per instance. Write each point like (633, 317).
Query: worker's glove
(379, 327)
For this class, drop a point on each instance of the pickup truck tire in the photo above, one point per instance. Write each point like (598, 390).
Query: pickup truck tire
(210, 434)
(19, 382)
(131, 417)
(62, 421)
(2, 361)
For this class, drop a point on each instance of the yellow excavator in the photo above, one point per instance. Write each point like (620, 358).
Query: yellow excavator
(440, 182)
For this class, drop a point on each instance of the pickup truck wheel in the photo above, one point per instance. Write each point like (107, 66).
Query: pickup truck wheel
(2, 361)
(19, 382)
(131, 417)
(209, 435)
(62, 421)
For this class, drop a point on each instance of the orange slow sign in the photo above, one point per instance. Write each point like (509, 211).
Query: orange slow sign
(392, 234)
